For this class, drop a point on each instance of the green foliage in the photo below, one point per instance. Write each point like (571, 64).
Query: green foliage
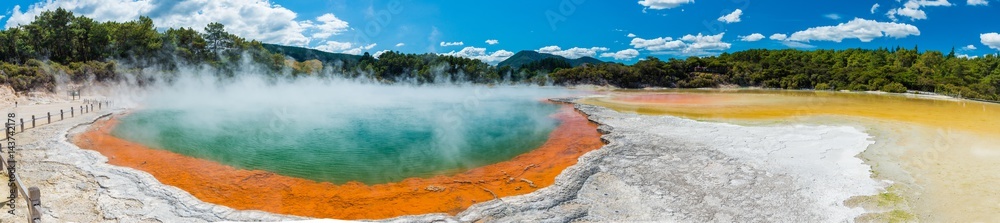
(35, 53)
(187, 44)
(59, 43)
(393, 67)
(217, 38)
(540, 68)
(701, 80)
(896, 70)
(61, 37)
(33, 76)
(823, 87)
(894, 88)
(304, 54)
(527, 56)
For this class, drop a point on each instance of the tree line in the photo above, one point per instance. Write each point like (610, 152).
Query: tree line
(60, 43)
(890, 70)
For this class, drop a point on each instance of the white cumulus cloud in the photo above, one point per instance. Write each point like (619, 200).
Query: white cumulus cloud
(572, 53)
(329, 25)
(379, 53)
(663, 4)
(861, 29)
(334, 46)
(452, 43)
(966, 56)
(969, 47)
(360, 49)
(779, 36)
(752, 37)
(480, 54)
(110, 10)
(833, 16)
(688, 45)
(658, 44)
(991, 40)
(931, 2)
(912, 9)
(799, 45)
(400, 44)
(626, 54)
(630, 35)
(783, 39)
(704, 43)
(969, 2)
(874, 8)
(254, 19)
(733, 17)
(492, 41)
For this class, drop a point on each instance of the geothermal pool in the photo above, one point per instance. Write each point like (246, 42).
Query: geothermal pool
(346, 150)
(342, 131)
(330, 143)
(940, 156)
(442, 149)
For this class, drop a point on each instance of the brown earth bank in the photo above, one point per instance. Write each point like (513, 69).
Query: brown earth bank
(261, 190)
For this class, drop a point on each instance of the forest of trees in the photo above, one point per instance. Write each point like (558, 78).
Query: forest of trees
(889, 70)
(393, 66)
(59, 43)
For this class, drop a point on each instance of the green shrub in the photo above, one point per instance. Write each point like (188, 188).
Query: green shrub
(823, 87)
(858, 87)
(701, 80)
(771, 84)
(894, 88)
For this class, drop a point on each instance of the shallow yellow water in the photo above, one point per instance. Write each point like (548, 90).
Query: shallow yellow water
(944, 155)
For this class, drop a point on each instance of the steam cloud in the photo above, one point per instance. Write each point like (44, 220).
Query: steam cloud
(286, 110)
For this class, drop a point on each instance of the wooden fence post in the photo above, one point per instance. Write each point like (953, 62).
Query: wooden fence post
(48, 115)
(22, 124)
(61, 117)
(34, 202)
(32, 121)
(71, 112)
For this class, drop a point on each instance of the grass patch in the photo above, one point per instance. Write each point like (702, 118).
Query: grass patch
(899, 216)
(888, 199)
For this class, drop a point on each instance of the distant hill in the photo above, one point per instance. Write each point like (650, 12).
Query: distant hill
(303, 54)
(528, 56)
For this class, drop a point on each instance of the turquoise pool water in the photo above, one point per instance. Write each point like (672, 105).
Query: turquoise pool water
(375, 146)
(348, 141)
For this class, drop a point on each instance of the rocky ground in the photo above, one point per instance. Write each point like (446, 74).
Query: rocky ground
(79, 186)
(661, 168)
(654, 168)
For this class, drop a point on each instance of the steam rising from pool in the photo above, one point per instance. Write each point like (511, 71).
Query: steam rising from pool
(336, 130)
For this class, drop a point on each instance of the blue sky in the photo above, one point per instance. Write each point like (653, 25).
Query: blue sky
(622, 31)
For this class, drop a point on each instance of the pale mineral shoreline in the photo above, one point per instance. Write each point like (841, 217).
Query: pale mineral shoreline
(654, 168)
(79, 186)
